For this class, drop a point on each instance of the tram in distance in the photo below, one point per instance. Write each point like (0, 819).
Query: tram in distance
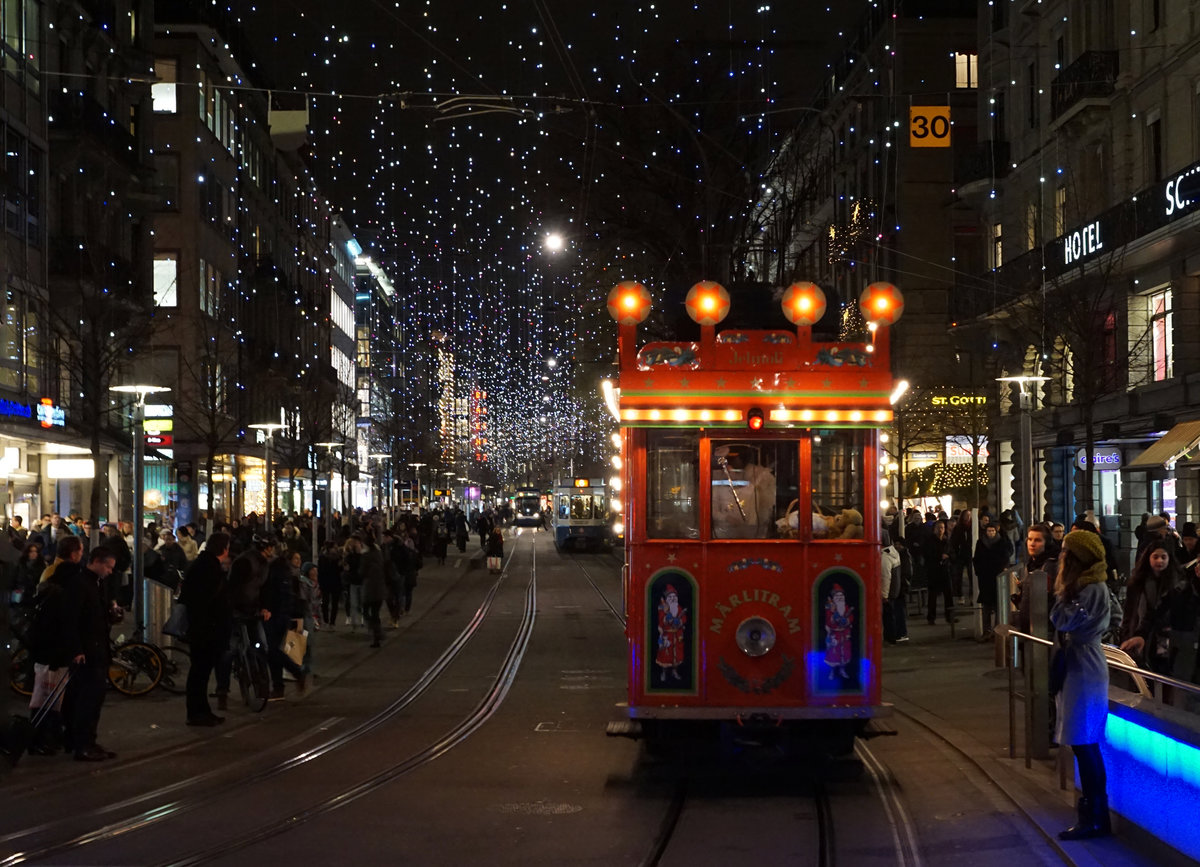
(750, 465)
(527, 508)
(580, 514)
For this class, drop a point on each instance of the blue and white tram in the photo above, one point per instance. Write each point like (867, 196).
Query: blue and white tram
(527, 508)
(580, 514)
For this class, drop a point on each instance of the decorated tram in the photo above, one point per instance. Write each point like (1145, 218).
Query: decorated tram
(750, 462)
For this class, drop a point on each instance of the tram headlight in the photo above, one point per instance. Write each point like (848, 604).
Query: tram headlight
(755, 636)
(618, 529)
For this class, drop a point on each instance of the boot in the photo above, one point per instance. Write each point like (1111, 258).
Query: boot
(1093, 820)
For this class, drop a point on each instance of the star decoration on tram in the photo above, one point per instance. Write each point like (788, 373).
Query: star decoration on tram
(721, 382)
(672, 557)
(837, 558)
(825, 383)
(756, 383)
(683, 383)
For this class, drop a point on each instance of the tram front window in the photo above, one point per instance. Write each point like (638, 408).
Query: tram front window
(752, 486)
(581, 507)
(837, 477)
(672, 484)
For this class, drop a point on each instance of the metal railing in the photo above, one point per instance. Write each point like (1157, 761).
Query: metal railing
(1030, 654)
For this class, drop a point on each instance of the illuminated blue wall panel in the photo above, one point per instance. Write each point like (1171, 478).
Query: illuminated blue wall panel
(1154, 781)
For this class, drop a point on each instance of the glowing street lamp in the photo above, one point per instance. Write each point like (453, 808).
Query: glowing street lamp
(416, 465)
(140, 596)
(269, 429)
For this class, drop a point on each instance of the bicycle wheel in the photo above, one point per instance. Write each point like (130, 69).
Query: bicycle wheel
(176, 663)
(260, 681)
(135, 669)
(20, 672)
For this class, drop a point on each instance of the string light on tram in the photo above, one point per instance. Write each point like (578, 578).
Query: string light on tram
(616, 484)
(615, 505)
(617, 462)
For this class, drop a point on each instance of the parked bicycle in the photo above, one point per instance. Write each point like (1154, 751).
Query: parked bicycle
(250, 664)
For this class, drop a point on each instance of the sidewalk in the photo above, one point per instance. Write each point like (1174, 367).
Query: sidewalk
(137, 729)
(951, 687)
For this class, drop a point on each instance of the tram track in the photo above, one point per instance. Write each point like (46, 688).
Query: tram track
(175, 808)
(480, 715)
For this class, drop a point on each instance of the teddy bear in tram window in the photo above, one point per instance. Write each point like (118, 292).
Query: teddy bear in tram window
(846, 525)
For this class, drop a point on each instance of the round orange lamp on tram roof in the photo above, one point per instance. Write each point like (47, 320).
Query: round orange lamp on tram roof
(803, 303)
(882, 303)
(707, 303)
(628, 302)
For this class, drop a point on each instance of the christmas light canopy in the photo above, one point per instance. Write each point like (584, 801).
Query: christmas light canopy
(629, 303)
(803, 303)
(881, 303)
(707, 303)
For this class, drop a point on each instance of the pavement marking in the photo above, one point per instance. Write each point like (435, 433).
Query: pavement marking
(907, 850)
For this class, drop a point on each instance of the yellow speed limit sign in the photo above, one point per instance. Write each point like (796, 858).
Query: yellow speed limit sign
(929, 126)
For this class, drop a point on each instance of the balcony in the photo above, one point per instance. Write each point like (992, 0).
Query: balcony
(1091, 78)
(79, 114)
(987, 161)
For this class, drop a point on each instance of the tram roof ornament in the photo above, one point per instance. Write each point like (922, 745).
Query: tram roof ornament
(882, 303)
(629, 303)
(803, 303)
(707, 303)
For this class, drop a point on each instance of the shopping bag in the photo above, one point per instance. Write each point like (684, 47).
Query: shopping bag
(493, 564)
(177, 623)
(295, 643)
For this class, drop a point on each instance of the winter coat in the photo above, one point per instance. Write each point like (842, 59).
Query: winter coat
(1083, 702)
(992, 557)
(206, 594)
(81, 619)
(495, 545)
(889, 567)
(373, 574)
(1178, 618)
(247, 575)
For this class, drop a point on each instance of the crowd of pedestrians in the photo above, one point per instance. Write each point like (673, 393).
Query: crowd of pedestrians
(70, 581)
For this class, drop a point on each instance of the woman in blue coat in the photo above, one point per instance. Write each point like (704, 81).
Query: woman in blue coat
(1080, 613)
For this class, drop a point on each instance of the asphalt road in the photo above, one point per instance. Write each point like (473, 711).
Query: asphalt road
(477, 736)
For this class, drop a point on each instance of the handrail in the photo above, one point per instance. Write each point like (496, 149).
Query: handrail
(1009, 632)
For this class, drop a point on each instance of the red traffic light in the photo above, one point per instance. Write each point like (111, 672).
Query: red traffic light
(754, 419)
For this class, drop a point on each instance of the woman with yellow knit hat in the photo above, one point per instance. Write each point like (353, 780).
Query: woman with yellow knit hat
(1080, 614)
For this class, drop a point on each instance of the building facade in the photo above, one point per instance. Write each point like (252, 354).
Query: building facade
(1091, 202)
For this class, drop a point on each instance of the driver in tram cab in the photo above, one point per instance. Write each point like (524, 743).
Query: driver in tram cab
(743, 495)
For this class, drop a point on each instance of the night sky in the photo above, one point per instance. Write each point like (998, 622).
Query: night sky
(465, 131)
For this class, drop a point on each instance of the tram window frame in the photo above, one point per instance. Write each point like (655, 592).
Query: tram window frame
(786, 491)
(672, 450)
(850, 465)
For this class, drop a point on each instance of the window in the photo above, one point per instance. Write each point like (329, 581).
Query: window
(1160, 335)
(163, 92)
(672, 484)
(1033, 224)
(753, 483)
(210, 288)
(837, 476)
(11, 340)
(1060, 210)
(966, 69)
(166, 279)
(997, 245)
(1155, 15)
(1153, 149)
(22, 43)
(1031, 82)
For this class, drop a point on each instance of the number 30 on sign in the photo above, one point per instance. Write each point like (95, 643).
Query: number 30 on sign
(929, 126)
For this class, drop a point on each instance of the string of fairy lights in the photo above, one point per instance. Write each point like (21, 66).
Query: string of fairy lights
(455, 196)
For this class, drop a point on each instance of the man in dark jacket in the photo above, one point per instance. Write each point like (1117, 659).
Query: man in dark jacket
(210, 622)
(84, 624)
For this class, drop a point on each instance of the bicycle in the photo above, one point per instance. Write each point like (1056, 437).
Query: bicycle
(136, 666)
(250, 666)
(177, 661)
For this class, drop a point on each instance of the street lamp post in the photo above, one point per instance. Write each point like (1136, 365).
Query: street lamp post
(416, 465)
(1025, 437)
(385, 502)
(324, 518)
(140, 596)
(269, 429)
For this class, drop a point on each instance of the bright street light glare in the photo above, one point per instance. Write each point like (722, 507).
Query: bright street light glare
(555, 242)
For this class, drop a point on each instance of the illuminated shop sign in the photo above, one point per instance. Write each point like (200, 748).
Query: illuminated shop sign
(45, 412)
(958, 400)
(1104, 458)
(1083, 243)
(1180, 192)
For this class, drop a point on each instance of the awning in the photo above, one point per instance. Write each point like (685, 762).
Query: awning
(1170, 447)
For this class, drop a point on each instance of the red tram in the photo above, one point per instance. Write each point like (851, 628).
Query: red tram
(751, 470)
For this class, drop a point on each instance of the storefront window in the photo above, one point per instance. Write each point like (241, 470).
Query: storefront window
(672, 484)
(837, 479)
(753, 484)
